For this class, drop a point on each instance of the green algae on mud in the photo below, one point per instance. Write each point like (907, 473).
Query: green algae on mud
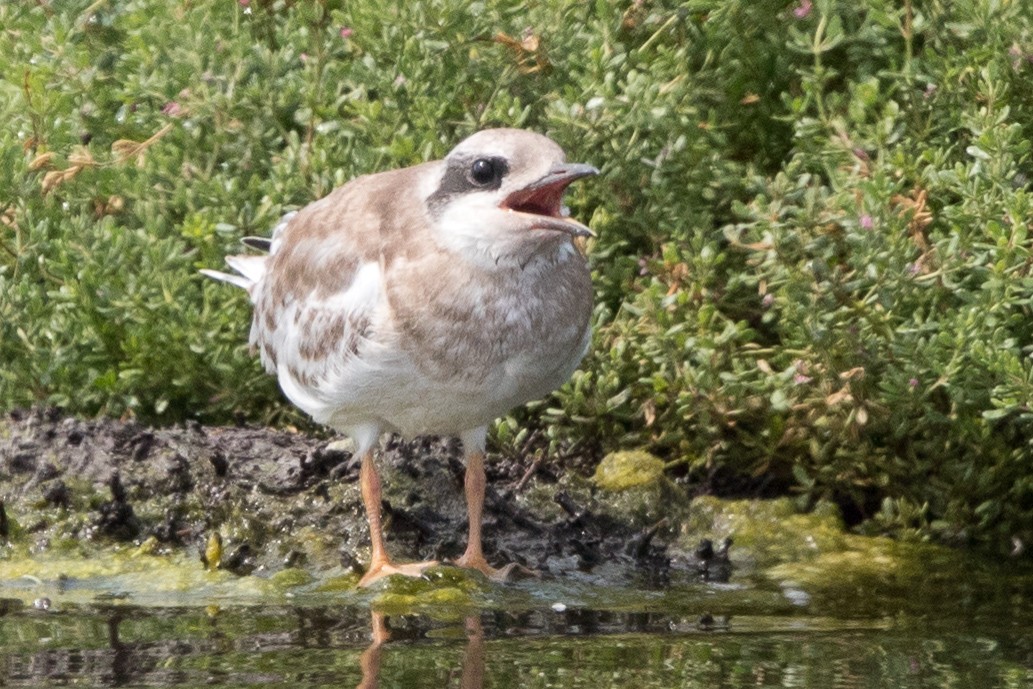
(619, 471)
(784, 562)
(262, 501)
(119, 573)
(291, 527)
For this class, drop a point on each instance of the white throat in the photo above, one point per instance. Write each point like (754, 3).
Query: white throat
(482, 233)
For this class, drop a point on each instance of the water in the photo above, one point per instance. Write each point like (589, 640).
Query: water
(806, 605)
(976, 631)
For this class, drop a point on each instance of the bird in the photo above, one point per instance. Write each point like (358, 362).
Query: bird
(427, 300)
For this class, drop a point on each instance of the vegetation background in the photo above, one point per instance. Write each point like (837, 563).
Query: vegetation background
(814, 256)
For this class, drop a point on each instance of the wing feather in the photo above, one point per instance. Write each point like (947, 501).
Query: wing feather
(319, 296)
(316, 303)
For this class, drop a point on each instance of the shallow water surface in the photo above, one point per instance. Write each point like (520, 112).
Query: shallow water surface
(800, 603)
(553, 634)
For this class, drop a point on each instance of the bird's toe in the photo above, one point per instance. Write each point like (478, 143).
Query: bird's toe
(378, 571)
(510, 572)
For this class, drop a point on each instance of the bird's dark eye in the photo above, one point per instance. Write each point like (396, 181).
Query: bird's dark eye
(483, 171)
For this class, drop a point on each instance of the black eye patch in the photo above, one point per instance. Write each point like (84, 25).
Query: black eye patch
(469, 174)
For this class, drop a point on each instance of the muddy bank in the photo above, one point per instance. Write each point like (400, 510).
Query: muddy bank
(277, 499)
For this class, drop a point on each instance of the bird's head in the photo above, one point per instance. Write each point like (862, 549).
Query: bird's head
(500, 194)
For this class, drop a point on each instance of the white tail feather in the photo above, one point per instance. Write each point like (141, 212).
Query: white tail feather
(237, 280)
(251, 269)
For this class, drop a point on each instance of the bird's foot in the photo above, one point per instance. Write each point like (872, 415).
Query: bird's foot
(379, 570)
(510, 572)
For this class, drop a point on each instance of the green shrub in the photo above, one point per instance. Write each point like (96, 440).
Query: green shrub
(813, 264)
(863, 326)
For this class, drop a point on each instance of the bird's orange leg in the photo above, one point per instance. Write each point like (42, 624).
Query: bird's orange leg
(380, 564)
(473, 558)
(475, 483)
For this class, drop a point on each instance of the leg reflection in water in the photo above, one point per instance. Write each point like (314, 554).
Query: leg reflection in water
(473, 656)
(369, 661)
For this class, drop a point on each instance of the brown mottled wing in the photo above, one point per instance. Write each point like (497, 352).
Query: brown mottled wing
(323, 283)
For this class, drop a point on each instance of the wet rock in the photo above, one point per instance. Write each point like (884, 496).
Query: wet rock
(140, 446)
(172, 528)
(639, 546)
(56, 493)
(39, 526)
(324, 461)
(293, 558)
(177, 475)
(75, 437)
(350, 563)
(240, 560)
(22, 461)
(118, 491)
(117, 519)
(713, 564)
(219, 463)
(47, 471)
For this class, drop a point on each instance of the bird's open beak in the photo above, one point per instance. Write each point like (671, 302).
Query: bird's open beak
(543, 199)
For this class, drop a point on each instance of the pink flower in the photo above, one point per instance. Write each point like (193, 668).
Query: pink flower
(913, 383)
(801, 376)
(172, 109)
(244, 3)
(803, 9)
(346, 32)
(866, 222)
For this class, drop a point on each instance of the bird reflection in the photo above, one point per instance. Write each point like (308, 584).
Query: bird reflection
(473, 657)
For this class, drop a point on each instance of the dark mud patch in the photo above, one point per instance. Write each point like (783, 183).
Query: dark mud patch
(278, 499)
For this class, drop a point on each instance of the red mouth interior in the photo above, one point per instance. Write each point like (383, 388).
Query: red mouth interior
(545, 200)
